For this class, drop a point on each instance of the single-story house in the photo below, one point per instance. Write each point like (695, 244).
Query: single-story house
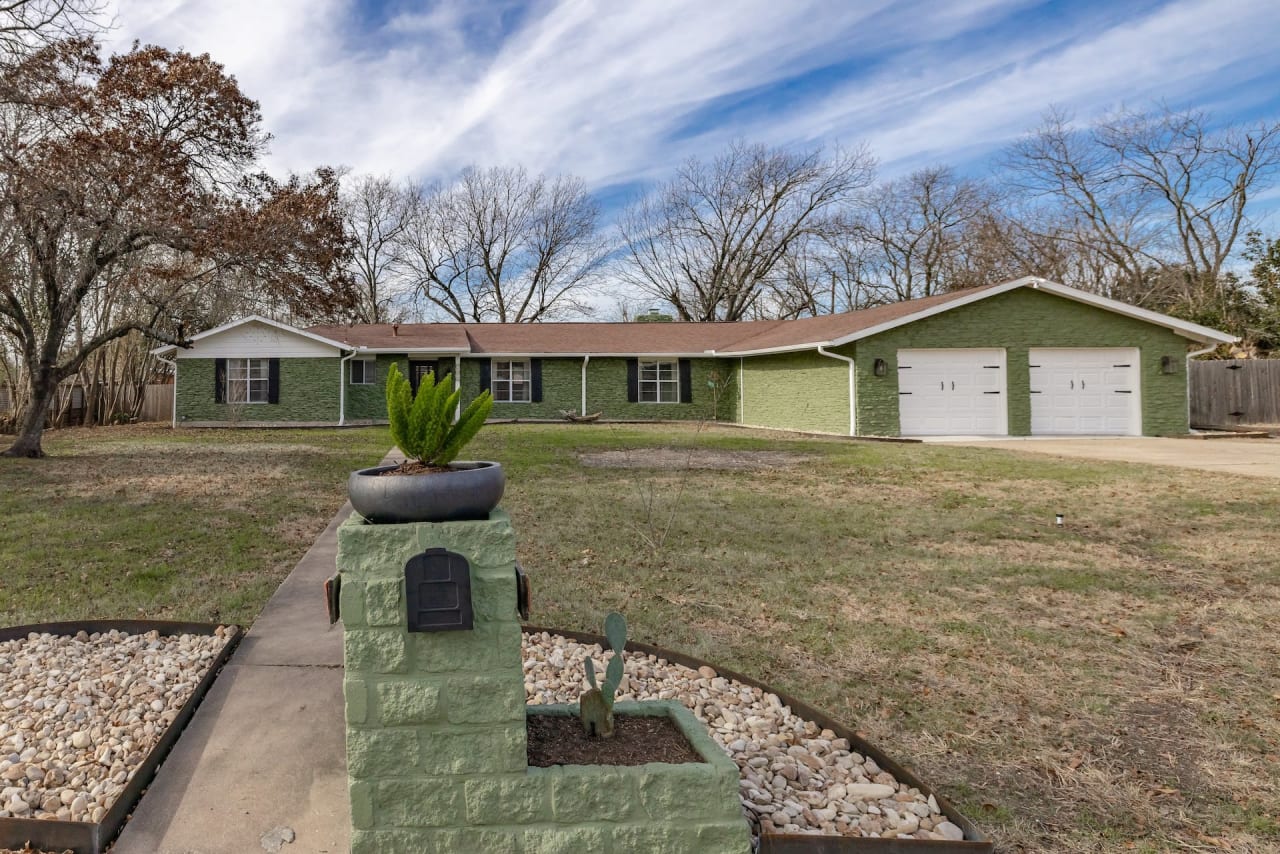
(1026, 357)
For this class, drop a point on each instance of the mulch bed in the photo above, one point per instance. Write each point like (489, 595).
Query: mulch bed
(637, 740)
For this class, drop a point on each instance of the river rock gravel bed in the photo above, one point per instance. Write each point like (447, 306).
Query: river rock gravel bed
(796, 776)
(79, 713)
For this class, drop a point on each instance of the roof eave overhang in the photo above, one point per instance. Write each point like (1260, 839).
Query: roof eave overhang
(433, 351)
(701, 354)
(256, 318)
(1186, 329)
(769, 351)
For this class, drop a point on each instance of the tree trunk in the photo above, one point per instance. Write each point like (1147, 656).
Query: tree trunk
(31, 424)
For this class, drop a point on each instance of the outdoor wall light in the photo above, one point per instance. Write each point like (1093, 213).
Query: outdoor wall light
(880, 367)
(1167, 365)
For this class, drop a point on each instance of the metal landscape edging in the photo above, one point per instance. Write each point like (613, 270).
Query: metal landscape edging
(796, 843)
(83, 837)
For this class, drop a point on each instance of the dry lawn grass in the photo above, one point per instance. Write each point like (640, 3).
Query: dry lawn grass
(137, 521)
(1113, 685)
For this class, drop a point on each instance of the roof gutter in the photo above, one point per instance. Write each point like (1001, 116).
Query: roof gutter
(852, 400)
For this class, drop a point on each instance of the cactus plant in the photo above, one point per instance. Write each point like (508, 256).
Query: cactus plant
(595, 707)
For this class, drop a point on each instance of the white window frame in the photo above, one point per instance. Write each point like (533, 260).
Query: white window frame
(664, 390)
(240, 376)
(505, 388)
(368, 372)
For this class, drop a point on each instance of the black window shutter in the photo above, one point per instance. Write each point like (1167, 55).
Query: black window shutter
(633, 380)
(485, 381)
(219, 380)
(535, 379)
(686, 381)
(273, 381)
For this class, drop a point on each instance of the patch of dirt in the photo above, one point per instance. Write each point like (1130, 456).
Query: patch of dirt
(413, 467)
(637, 740)
(678, 459)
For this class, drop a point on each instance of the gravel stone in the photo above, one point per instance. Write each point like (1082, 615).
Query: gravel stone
(795, 776)
(79, 714)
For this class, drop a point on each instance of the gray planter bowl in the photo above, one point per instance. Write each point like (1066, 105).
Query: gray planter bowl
(470, 491)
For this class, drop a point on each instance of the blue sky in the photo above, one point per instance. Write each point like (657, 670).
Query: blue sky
(620, 91)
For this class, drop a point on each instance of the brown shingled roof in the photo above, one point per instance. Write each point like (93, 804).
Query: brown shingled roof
(830, 327)
(628, 338)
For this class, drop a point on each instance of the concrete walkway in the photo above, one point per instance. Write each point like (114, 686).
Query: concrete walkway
(1252, 457)
(265, 749)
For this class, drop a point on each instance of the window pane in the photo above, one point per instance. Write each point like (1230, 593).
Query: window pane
(502, 370)
(648, 371)
(237, 369)
(668, 371)
(357, 373)
(257, 391)
(258, 369)
(648, 393)
(519, 371)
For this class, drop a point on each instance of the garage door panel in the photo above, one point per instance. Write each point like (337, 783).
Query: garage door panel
(951, 392)
(1084, 391)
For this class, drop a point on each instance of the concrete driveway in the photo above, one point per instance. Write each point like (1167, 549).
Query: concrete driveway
(1253, 457)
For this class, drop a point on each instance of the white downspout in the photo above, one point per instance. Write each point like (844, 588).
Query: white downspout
(173, 363)
(1186, 377)
(741, 404)
(585, 359)
(852, 399)
(342, 388)
(457, 384)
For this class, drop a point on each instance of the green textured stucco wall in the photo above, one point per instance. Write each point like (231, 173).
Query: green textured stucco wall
(796, 391)
(1017, 321)
(607, 391)
(369, 402)
(560, 383)
(308, 394)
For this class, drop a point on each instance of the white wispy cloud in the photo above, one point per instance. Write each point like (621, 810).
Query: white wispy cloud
(614, 91)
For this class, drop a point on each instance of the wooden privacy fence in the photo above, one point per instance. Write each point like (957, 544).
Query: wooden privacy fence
(68, 407)
(1228, 392)
(157, 405)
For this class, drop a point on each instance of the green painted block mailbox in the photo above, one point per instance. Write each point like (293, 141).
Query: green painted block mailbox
(435, 711)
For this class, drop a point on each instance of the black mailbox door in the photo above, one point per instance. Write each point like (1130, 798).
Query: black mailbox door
(437, 587)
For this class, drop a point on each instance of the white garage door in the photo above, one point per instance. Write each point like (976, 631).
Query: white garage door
(1085, 391)
(952, 393)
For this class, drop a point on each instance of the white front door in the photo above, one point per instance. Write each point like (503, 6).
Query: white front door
(956, 392)
(1085, 391)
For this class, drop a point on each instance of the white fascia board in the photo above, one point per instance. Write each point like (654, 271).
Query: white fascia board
(257, 318)
(768, 351)
(1184, 328)
(409, 351)
(930, 312)
(703, 354)
(1181, 327)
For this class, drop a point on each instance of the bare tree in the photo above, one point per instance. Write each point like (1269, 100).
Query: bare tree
(130, 176)
(916, 232)
(500, 245)
(1162, 196)
(709, 240)
(377, 213)
(29, 24)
